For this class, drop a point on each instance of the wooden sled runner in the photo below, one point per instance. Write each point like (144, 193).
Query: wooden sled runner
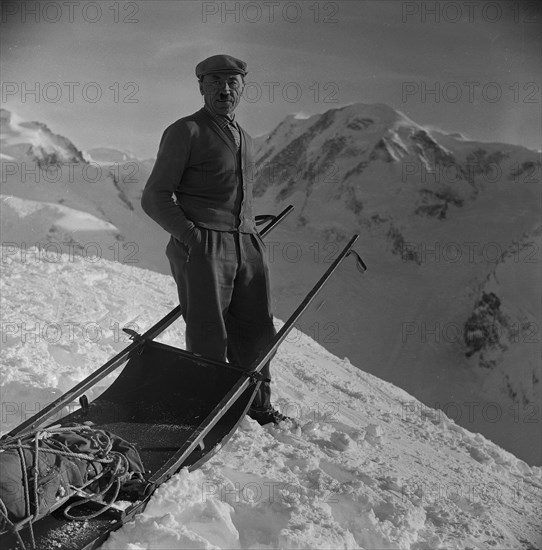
(175, 407)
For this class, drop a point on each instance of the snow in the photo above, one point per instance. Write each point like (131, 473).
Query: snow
(362, 465)
(107, 155)
(22, 132)
(69, 219)
(22, 140)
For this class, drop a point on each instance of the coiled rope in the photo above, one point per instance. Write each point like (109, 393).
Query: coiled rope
(115, 465)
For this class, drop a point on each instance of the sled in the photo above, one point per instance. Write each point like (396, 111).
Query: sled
(175, 407)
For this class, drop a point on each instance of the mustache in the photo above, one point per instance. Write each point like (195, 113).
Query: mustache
(221, 96)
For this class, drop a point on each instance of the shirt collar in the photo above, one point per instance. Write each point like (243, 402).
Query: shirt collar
(223, 120)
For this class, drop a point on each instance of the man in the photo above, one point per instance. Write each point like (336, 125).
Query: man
(200, 192)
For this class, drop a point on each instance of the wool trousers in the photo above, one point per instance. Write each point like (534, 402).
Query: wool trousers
(223, 286)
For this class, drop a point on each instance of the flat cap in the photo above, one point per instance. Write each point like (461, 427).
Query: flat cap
(221, 64)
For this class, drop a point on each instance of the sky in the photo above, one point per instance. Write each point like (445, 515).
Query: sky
(116, 74)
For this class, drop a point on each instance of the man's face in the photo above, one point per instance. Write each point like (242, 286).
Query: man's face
(222, 91)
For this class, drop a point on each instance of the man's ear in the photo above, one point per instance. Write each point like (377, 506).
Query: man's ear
(200, 82)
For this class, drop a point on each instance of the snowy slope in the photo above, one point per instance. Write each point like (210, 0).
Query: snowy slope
(368, 466)
(66, 218)
(108, 155)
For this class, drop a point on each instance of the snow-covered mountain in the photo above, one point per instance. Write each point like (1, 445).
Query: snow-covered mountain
(438, 216)
(38, 165)
(366, 465)
(21, 140)
(351, 166)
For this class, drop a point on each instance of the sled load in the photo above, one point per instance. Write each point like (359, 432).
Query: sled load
(68, 485)
(56, 461)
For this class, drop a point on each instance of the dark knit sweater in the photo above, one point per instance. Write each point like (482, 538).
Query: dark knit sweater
(199, 165)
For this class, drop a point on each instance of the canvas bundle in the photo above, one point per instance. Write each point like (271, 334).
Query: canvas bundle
(41, 470)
